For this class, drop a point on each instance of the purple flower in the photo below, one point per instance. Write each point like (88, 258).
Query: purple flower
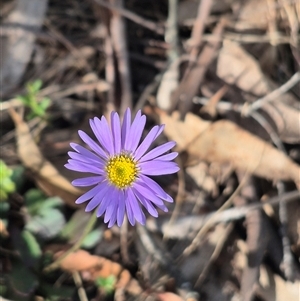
(120, 165)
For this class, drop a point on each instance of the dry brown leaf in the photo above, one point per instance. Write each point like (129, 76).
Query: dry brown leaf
(46, 175)
(78, 261)
(199, 173)
(97, 266)
(287, 120)
(236, 66)
(225, 142)
(252, 15)
(274, 288)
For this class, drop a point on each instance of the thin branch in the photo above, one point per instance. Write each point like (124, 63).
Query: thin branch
(211, 221)
(274, 94)
(118, 36)
(171, 33)
(133, 17)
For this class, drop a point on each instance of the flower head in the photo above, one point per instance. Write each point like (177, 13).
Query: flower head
(120, 165)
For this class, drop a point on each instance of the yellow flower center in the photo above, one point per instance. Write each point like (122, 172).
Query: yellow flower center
(121, 170)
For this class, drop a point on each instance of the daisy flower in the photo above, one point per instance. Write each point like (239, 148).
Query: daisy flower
(120, 165)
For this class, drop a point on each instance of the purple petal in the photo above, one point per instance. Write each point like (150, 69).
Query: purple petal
(146, 143)
(129, 139)
(158, 151)
(116, 130)
(146, 181)
(97, 199)
(105, 133)
(83, 167)
(112, 207)
(157, 167)
(99, 164)
(163, 207)
(136, 132)
(147, 204)
(98, 133)
(135, 207)
(105, 201)
(86, 159)
(125, 127)
(92, 144)
(161, 128)
(121, 209)
(113, 218)
(169, 199)
(85, 152)
(128, 208)
(147, 194)
(87, 181)
(167, 157)
(88, 195)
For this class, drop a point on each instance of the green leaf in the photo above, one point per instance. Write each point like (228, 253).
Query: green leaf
(75, 226)
(34, 199)
(24, 99)
(107, 284)
(35, 86)
(3, 289)
(3, 195)
(26, 244)
(38, 110)
(33, 246)
(21, 280)
(57, 293)
(6, 184)
(5, 172)
(4, 207)
(92, 238)
(32, 102)
(45, 103)
(52, 202)
(47, 224)
(18, 176)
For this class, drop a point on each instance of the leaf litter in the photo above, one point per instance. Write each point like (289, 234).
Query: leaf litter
(228, 83)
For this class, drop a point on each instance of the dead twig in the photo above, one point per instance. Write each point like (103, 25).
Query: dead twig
(274, 94)
(215, 255)
(197, 222)
(211, 221)
(171, 34)
(78, 282)
(170, 78)
(188, 87)
(118, 35)
(257, 241)
(198, 29)
(288, 260)
(124, 242)
(149, 245)
(179, 197)
(133, 17)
